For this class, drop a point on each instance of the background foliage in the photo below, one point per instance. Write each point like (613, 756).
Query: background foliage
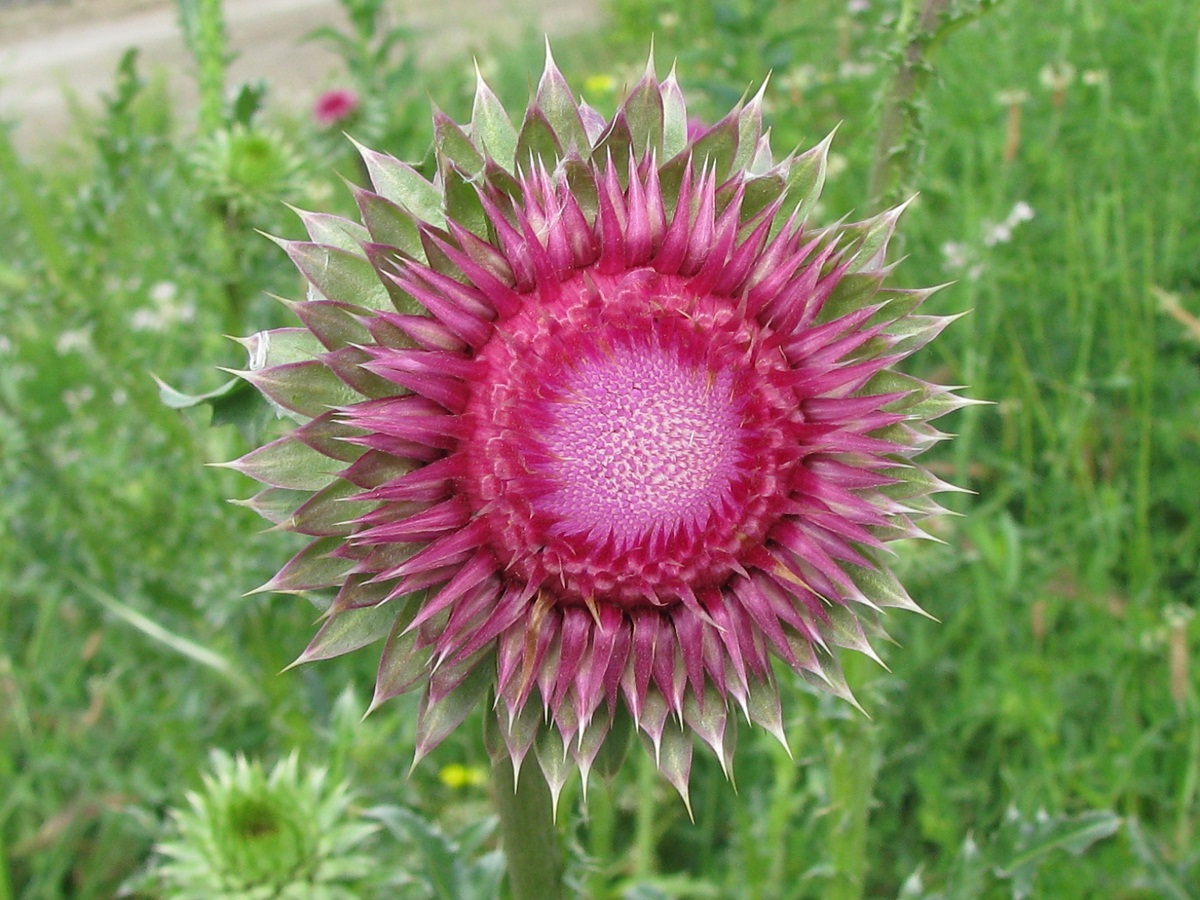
(1045, 738)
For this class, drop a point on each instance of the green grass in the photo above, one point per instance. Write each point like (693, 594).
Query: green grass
(127, 650)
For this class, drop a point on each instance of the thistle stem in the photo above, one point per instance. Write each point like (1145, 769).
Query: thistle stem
(644, 838)
(528, 832)
(898, 141)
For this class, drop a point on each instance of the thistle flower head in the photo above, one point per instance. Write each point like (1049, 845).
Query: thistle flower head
(334, 107)
(597, 423)
(249, 833)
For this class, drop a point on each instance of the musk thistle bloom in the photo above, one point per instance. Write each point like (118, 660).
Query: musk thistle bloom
(335, 107)
(598, 424)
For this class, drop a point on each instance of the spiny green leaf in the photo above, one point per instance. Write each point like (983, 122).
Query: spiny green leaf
(333, 324)
(675, 760)
(490, 126)
(616, 144)
(436, 720)
(404, 185)
(675, 122)
(333, 230)
(389, 224)
(348, 631)
(287, 463)
(330, 511)
(338, 274)
(537, 143)
(854, 291)
(309, 570)
(308, 388)
(611, 758)
(462, 202)
(405, 660)
(276, 505)
(454, 146)
(806, 177)
(717, 147)
(644, 111)
(557, 104)
(749, 131)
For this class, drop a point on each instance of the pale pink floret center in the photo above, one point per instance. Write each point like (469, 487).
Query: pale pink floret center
(641, 444)
(627, 439)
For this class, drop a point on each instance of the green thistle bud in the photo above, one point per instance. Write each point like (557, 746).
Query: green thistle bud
(253, 835)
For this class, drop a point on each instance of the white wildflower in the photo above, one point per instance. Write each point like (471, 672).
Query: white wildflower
(76, 340)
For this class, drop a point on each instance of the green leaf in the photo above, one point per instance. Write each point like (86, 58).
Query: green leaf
(308, 388)
(350, 630)
(330, 511)
(338, 274)
(872, 237)
(552, 758)
(1022, 845)
(537, 143)
(309, 570)
(287, 463)
(389, 224)
(336, 231)
(718, 146)
(611, 758)
(454, 146)
(185, 647)
(1162, 878)
(806, 177)
(582, 183)
(559, 108)
(333, 324)
(854, 291)
(462, 202)
(645, 114)
(675, 759)
(616, 144)
(490, 126)
(435, 721)
(675, 121)
(760, 192)
(749, 131)
(404, 661)
(327, 435)
(845, 629)
(176, 399)
(440, 855)
(274, 504)
(882, 588)
(404, 185)
(281, 346)
(233, 403)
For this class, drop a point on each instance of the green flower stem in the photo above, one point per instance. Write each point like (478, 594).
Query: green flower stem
(900, 139)
(528, 832)
(600, 838)
(898, 145)
(645, 839)
(853, 755)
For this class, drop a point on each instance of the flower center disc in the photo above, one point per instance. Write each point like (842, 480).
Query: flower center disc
(641, 446)
(625, 439)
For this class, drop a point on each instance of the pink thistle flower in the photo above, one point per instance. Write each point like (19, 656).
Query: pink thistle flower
(596, 423)
(335, 106)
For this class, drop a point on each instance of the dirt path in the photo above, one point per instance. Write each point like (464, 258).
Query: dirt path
(49, 52)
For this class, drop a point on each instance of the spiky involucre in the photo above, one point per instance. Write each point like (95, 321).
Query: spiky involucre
(596, 424)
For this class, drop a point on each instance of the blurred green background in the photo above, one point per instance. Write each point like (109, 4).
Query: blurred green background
(1042, 740)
